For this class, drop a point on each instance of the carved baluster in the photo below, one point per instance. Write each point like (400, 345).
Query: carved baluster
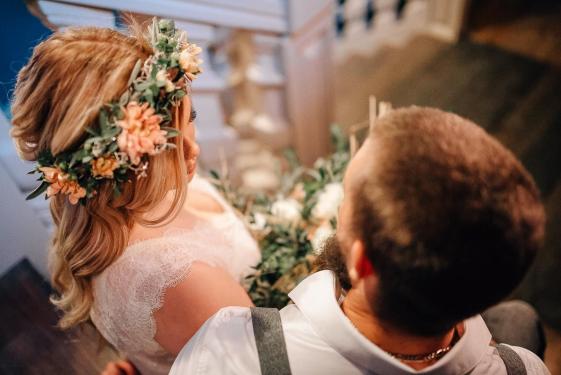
(214, 136)
(269, 124)
(239, 51)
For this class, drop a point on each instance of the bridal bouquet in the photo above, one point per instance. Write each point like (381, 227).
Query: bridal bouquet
(290, 225)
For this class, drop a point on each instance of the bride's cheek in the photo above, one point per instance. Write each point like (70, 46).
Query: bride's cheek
(195, 151)
(186, 149)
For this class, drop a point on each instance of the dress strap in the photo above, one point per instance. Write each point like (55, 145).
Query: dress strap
(513, 362)
(271, 346)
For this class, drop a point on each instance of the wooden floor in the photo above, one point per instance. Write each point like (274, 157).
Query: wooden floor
(516, 98)
(29, 341)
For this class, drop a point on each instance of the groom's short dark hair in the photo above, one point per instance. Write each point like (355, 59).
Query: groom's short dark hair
(450, 218)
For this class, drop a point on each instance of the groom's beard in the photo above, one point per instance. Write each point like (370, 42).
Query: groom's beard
(331, 258)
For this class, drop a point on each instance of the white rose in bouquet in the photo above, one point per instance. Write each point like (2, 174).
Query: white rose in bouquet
(163, 80)
(320, 236)
(287, 210)
(259, 222)
(328, 202)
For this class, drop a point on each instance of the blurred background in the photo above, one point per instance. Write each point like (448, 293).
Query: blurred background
(278, 73)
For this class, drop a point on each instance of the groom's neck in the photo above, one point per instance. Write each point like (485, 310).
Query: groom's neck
(357, 308)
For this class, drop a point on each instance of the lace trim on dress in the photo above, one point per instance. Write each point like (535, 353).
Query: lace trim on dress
(131, 289)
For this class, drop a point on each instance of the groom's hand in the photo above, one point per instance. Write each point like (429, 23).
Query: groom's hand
(122, 367)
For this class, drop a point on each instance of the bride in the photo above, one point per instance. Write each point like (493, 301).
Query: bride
(109, 120)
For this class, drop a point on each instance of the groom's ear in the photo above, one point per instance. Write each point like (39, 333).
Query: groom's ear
(358, 264)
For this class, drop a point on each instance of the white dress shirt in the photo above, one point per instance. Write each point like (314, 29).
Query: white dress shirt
(320, 339)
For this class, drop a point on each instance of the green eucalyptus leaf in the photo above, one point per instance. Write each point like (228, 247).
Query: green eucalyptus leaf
(92, 132)
(113, 147)
(103, 121)
(112, 131)
(125, 98)
(78, 155)
(135, 72)
(170, 132)
(179, 94)
(154, 72)
(215, 174)
(148, 96)
(45, 158)
(38, 190)
(142, 86)
(118, 112)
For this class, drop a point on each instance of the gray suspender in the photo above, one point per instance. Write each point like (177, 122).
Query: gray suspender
(273, 358)
(513, 362)
(271, 347)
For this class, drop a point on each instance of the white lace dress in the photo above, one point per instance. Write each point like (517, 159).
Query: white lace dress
(128, 292)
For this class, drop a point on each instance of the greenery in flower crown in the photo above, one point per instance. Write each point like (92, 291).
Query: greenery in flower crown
(129, 129)
(290, 226)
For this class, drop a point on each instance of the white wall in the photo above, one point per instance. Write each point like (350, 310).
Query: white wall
(22, 235)
(23, 230)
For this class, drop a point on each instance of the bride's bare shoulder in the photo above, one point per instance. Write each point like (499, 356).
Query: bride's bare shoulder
(188, 299)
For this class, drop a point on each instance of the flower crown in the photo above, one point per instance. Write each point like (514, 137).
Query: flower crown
(130, 129)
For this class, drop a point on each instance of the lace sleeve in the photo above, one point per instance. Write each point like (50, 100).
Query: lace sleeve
(128, 292)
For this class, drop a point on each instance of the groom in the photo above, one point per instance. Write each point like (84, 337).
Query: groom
(439, 222)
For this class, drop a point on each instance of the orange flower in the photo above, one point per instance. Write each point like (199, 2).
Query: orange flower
(141, 132)
(59, 183)
(104, 167)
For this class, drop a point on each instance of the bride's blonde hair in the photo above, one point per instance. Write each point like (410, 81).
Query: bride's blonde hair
(58, 94)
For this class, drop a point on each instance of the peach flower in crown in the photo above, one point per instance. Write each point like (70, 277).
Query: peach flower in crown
(104, 166)
(60, 183)
(141, 132)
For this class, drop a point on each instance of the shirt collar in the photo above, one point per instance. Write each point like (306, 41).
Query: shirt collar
(315, 298)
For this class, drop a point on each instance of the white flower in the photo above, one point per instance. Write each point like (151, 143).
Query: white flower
(161, 77)
(163, 80)
(287, 210)
(328, 202)
(189, 60)
(259, 222)
(169, 86)
(320, 236)
(182, 39)
(298, 192)
(97, 148)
